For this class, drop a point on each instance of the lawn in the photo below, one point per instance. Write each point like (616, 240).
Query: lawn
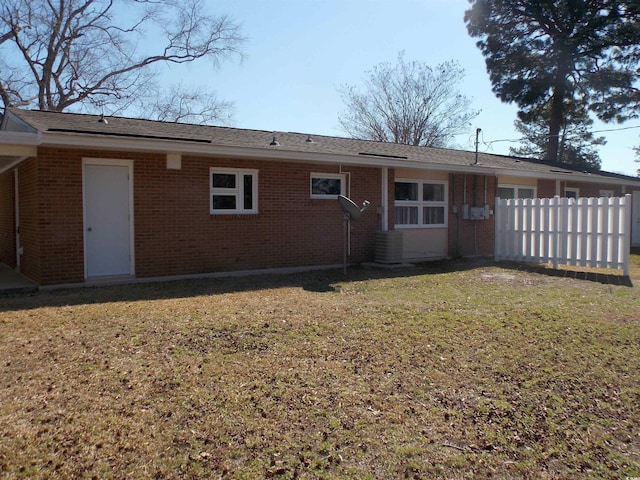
(449, 370)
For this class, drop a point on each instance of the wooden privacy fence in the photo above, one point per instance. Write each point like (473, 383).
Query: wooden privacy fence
(589, 232)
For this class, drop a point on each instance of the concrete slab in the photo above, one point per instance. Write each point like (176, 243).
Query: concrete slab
(11, 282)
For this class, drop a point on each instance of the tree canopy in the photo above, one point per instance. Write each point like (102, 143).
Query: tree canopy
(551, 55)
(409, 102)
(577, 146)
(101, 55)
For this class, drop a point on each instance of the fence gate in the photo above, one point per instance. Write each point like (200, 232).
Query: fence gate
(588, 232)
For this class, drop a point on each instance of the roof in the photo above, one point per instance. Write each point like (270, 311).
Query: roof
(72, 129)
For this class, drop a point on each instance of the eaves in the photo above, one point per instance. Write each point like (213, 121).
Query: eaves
(196, 147)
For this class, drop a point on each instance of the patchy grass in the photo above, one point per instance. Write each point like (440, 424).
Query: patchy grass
(452, 370)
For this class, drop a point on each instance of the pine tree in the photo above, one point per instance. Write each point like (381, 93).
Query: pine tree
(548, 54)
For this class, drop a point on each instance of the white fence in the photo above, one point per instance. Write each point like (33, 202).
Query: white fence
(589, 232)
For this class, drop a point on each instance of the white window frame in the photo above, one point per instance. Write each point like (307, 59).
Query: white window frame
(238, 191)
(575, 190)
(607, 193)
(332, 176)
(516, 189)
(420, 203)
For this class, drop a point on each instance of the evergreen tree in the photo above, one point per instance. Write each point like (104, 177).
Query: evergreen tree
(550, 54)
(576, 144)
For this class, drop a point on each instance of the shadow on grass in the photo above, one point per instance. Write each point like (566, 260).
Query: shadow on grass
(320, 281)
(589, 276)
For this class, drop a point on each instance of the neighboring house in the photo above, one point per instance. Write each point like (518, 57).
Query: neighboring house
(83, 197)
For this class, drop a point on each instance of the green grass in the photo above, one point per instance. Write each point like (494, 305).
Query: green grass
(449, 370)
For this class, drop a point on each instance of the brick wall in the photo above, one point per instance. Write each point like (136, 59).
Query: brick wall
(471, 237)
(592, 189)
(547, 188)
(7, 219)
(30, 236)
(174, 232)
(60, 209)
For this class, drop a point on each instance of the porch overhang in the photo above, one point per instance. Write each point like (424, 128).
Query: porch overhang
(16, 147)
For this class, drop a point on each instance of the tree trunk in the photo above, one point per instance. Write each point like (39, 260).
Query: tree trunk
(555, 122)
(557, 105)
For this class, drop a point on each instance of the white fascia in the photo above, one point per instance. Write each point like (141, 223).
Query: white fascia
(15, 147)
(200, 148)
(10, 139)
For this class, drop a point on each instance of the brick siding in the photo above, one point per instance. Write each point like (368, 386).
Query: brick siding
(30, 219)
(174, 232)
(471, 237)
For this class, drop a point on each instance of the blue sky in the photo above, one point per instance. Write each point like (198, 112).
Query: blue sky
(298, 52)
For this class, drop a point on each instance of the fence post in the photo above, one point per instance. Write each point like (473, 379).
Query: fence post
(497, 218)
(626, 228)
(555, 243)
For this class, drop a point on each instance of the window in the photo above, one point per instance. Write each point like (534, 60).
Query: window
(606, 193)
(516, 191)
(420, 203)
(327, 185)
(571, 192)
(233, 191)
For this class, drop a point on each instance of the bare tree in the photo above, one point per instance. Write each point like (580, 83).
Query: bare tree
(195, 106)
(410, 103)
(88, 54)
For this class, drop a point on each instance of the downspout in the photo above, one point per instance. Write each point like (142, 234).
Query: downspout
(348, 226)
(348, 174)
(16, 193)
(454, 207)
(485, 190)
(385, 199)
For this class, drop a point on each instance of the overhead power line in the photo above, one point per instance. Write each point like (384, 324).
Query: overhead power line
(488, 143)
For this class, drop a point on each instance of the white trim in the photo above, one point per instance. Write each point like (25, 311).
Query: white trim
(635, 219)
(517, 187)
(238, 192)
(605, 192)
(158, 145)
(20, 138)
(333, 176)
(575, 190)
(16, 192)
(420, 204)
(385, 199)
(110, 162)
(186, 147)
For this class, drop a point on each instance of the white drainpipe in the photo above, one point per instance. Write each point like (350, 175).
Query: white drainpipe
(385, 199)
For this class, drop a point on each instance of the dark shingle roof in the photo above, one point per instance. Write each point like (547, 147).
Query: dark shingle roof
(377, 152)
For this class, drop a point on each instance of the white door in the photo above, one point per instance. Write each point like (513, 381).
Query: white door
(635, 219)
(108, 218)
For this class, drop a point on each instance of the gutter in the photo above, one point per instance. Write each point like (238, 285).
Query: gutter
(18, 146)
(20, 138)
(187, 147)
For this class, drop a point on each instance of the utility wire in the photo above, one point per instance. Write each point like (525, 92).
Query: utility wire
(489, 143)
